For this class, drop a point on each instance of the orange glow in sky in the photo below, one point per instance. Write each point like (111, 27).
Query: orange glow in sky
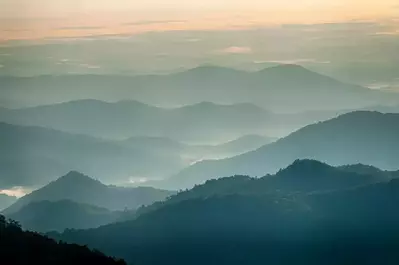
(16, 191)
(36, 19)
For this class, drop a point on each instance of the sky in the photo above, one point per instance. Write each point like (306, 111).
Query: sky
(36, 19)
(355, 41)
(16, 191)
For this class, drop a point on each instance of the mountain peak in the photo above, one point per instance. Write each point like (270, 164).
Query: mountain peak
(209, 69)
(205, 104)
(308, 163)
(307, 167)
(133, 102)
(364, 114)
(74, 174)
(75, 178)
(86, 101)
(290, 66)
(209, 105)
(286, 68)
(361, 167)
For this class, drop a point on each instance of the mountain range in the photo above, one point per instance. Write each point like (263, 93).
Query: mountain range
(50, 209)
(46, 153)
(302, 176)
(201, 123)
(370, 138)
(298, 216)
(80, 188)
(358, 137)
(284, 87)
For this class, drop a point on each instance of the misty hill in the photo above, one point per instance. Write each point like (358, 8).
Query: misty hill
(191, 153)
(353, 225)
(157, 144)
(82, 189)
(240, 145)
(285, 87)
(45, 153)
(45, 216)
(6, 201)
(202, 122)
(370, 138)
(23, 247)
(32, 156)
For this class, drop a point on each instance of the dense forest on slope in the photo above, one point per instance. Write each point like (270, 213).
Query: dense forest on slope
(18, 247)
(308, 213)
(240, 229)
(302, 176)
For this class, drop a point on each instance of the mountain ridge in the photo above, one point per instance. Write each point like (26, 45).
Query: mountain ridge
(264, 88)
(302, 225)
(80, 188)
(328, 141)
(124, 119)
(46, 153)
(301, 176)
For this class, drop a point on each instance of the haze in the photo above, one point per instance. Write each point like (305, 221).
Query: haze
(185, 132)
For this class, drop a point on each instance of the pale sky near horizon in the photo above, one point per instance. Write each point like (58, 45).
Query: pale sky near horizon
(42, 8)
(352, 40)
(36, 19)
